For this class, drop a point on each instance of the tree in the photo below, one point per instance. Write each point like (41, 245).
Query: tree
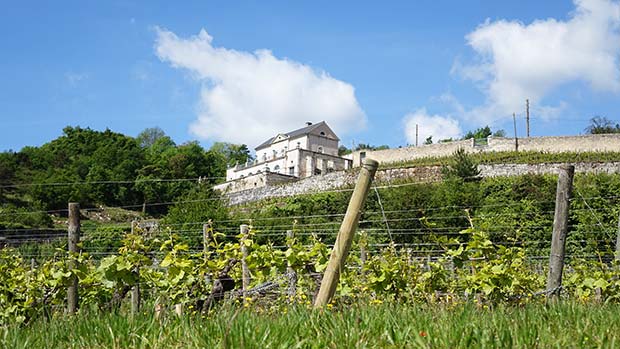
(482, 132)
(499, 133)
(601, 125)
(342, 150)
(232, 153)
(149, 136)
(461, 166)
(429, 140)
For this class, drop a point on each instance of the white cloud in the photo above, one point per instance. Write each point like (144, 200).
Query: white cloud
(440, 127)
(249, 97)
(518, 61)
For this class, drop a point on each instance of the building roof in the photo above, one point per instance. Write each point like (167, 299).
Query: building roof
(293, 134)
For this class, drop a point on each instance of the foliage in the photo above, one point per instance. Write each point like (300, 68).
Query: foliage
(462, 166)
(521, 157)
(429, 140)
(602, 125)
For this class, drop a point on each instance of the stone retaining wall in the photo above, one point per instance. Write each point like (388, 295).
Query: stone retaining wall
(344, 179)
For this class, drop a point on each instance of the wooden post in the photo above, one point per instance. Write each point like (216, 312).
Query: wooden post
(245, 272)
(514, 120)
(74, 240)
(416, 135)
(618, 240)
(135, 290)
(135, 294)
(206, 239)
(560, 229)
(345, 235)
(292, 276)
(527, 117)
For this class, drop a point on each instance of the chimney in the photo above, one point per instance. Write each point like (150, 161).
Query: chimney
(308, 123)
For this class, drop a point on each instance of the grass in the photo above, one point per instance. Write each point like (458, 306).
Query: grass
(505, 157)
(563, 325)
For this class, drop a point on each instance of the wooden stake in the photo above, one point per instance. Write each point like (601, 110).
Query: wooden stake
(618, 241)
(74, 240)
(345, 235)
(292, 276)
(560, 229)
(245, 272)
(135, 290)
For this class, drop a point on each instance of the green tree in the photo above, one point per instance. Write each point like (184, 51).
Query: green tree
(149, 136)
(461, 166)
(602, 125)
(482, 132)
(232, 153)
(429, 140)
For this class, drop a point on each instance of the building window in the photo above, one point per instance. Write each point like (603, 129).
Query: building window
(320, 149)
(322, 133)
(362, 157)
(291, 170)
(276, 168)
(317, 171)
(298, 145)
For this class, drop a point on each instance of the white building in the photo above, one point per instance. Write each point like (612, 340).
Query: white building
(308, 151)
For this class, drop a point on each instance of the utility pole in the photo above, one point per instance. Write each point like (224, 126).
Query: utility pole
(527, 117)
(416, 135)
(514, 121)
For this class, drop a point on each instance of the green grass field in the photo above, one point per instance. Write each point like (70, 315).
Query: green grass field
(564, 325)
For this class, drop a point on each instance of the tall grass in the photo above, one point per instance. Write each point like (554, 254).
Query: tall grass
(564, 325)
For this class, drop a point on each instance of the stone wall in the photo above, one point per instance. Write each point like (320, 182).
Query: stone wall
(344, 179)
(559, 144)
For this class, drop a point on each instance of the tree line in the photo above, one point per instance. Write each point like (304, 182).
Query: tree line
(118, 169)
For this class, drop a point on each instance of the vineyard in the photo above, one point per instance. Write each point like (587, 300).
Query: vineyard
(484, 244)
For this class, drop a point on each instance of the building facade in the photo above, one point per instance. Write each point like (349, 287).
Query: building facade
(308, 151)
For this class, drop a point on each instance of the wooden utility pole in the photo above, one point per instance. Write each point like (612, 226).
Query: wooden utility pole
(527, 117)
(346, 233)
(514, 121)
(245, 272)
(560, 229)
(416, 135)
(74, 240)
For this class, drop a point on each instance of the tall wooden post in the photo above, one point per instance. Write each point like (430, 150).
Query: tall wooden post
(74, 240)
(245, 272)
(416, 135)
(206, 238)
(345, 235)
(514, 121)
(135, 290)
(560, 229)
(292, 276)
(527, 117)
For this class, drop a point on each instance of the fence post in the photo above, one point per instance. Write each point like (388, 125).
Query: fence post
(345, 234)
(206, 238)
(135, 290)
(245, 272)
(618, 240)
(74, 239)
(292, 275)
(560, 229)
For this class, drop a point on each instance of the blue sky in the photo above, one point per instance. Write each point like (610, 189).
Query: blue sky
(214, 71)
